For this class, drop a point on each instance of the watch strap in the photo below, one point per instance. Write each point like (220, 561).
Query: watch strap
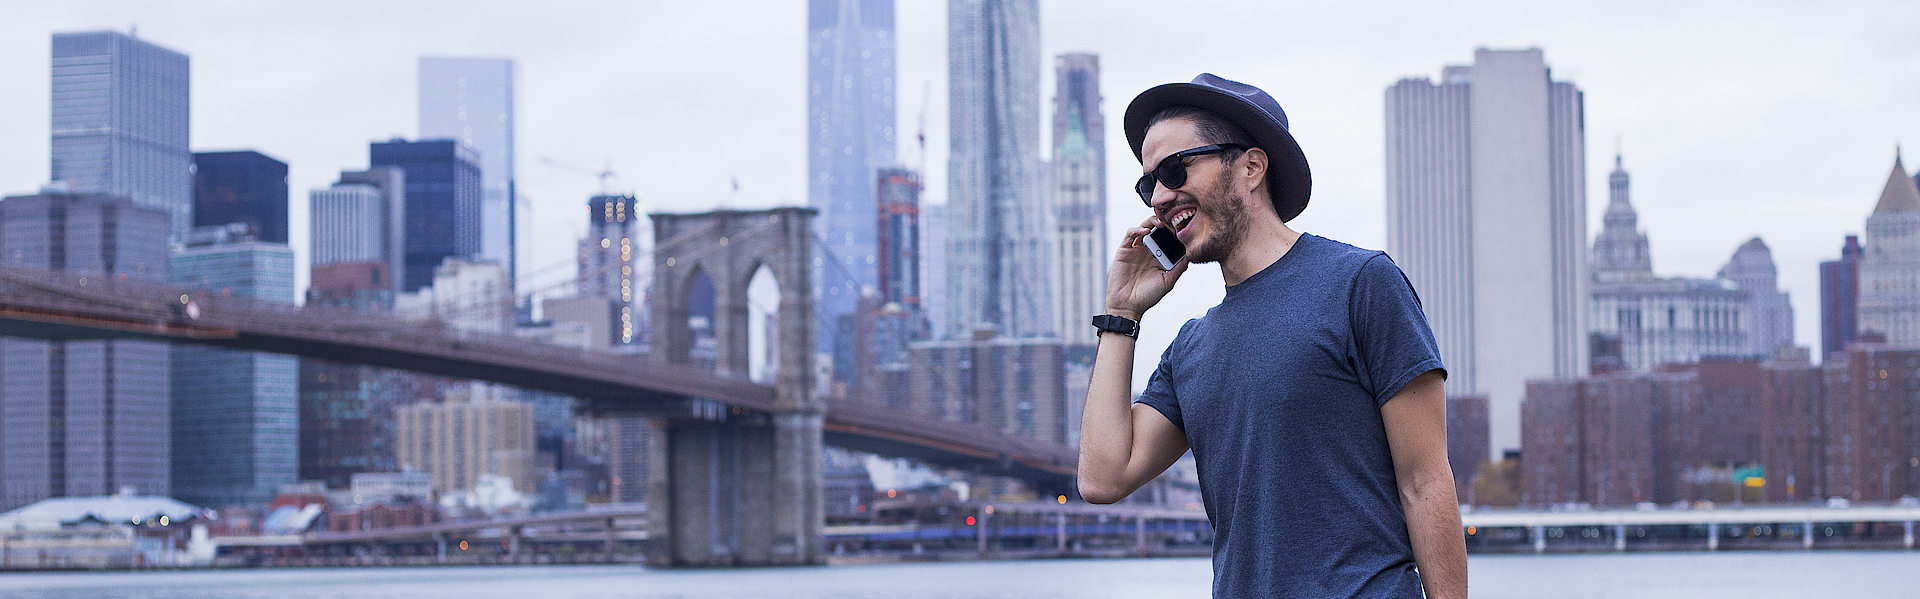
(1118, 324)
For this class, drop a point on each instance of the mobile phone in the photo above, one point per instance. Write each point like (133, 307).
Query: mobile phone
(1165, 246)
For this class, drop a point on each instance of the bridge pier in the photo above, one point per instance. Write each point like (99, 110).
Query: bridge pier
(1619, 537)
(1806, 535)
(737, 487)
(980, 531)
(1140, 535)
(1060, 532)
(738, 492)
(1539, 538)
(610, 541)
(1907, 540)
(513, 544)
(1713, 536)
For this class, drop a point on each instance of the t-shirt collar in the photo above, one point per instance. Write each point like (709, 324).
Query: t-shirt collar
(1277, 266)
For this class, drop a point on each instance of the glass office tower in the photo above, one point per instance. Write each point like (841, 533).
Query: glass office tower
(83, 417)
(441, 205)
(470, 100)
(850, 121)
(241, 187)
(235, 414)
(120, 121)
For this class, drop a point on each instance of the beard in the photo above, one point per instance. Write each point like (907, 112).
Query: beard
(1228, 216)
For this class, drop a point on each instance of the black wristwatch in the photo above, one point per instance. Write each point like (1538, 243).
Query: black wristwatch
(1118, 324)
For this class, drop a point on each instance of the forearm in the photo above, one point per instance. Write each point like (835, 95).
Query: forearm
(1106, 423)
(1439, 548)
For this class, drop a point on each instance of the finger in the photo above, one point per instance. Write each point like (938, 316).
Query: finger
(1133, 237)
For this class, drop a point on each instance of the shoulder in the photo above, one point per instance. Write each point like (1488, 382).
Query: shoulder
(1342, 258)
(1367, 273)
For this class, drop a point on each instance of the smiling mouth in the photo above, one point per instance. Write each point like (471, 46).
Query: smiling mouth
(1180, 220)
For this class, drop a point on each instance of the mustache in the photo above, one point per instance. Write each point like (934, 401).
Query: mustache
(1175, 205)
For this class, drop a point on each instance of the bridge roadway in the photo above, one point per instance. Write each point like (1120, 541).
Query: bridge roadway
(50, 305)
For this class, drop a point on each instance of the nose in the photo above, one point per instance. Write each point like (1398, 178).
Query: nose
(1162, 199)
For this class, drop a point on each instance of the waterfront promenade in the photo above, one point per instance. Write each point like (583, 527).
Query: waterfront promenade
(1694, 575)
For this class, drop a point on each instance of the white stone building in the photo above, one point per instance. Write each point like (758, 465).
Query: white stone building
(1486, 214)
(1890, 271)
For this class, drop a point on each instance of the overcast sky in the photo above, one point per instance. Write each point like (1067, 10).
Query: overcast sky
(1776, 119)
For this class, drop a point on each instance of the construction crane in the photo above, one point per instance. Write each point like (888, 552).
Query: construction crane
(605, 173)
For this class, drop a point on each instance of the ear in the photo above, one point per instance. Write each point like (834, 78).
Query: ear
(1254, 174)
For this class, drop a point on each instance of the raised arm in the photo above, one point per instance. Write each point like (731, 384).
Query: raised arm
(1416, 422)
(1123, 445)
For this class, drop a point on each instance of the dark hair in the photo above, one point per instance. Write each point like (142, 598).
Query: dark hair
(1210, 126)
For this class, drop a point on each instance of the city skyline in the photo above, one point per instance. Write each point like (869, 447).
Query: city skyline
(1697, 133)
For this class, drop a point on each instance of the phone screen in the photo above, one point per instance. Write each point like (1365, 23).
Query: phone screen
(1165, 246)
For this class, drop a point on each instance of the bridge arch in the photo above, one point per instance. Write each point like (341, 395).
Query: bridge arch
(730, 247)
(763, 303)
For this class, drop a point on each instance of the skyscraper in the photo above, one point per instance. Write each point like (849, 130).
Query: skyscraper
(900, 317)
(358, 254)
(120, 121)
(1498, 146)
(1840, 298)
(441, 204)
(898, 218)
(83, 417)
(616, 265)
(470, 100)
(850, 120)
(241, 187)
(1769, 312)
(999, 225)
(1079, 195)
(236, 430)
(1890, 269)
(933, 265)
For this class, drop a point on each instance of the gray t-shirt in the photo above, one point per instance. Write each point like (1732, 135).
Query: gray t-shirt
(1278, 390)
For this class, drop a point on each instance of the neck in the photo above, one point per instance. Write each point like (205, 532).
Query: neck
(1267, 240)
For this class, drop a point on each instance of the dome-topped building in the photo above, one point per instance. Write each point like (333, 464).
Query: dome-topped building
(1640, 320)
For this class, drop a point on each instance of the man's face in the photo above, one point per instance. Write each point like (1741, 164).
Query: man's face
(1207, 213)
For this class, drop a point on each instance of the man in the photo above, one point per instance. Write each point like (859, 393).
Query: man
(1312, 396)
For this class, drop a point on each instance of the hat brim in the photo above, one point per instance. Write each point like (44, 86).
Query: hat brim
(1289, 181)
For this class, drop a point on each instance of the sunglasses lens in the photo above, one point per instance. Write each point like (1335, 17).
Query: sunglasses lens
(1144, 187)
(1172, 172)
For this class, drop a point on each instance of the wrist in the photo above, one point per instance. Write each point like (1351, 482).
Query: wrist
(1133, 315)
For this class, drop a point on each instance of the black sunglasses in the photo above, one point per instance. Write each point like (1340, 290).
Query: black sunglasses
(1172, 170)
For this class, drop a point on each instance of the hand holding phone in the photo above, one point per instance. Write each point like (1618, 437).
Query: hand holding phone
(1165, 246)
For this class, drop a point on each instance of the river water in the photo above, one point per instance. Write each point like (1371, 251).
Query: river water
(1744, 575)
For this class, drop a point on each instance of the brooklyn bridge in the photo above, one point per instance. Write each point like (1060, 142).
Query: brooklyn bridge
(735, 477)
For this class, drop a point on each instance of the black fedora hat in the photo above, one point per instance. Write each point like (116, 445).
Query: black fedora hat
(1289, 182)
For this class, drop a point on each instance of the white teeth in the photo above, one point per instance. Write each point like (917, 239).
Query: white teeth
(1181, 220)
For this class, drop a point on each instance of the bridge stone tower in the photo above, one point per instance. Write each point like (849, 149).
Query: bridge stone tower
(731, 486)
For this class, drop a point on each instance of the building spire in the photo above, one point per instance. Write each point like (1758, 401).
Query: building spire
(1620, 252)
(1900, 194)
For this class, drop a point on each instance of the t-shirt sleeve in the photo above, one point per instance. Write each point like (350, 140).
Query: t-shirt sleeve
(1392, 341)
(1159, 393)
